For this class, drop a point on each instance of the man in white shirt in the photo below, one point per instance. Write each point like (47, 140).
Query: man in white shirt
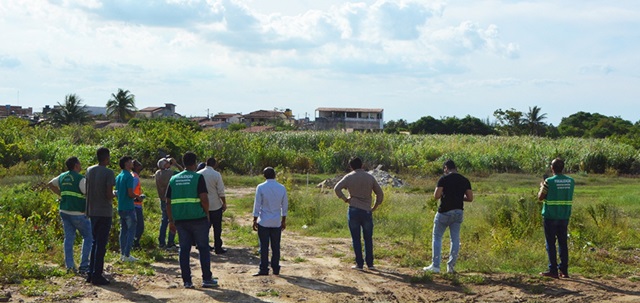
(269, 219)
(217, 202)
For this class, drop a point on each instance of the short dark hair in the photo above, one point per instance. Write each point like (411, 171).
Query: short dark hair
(189, 159)
(124, 160)
(558, 165)
(269, 172)
(355, 163)
(211, 161)
(102, 154)
(449, 164)
(71, 162)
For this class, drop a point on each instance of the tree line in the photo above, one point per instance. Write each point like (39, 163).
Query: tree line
(512, 122)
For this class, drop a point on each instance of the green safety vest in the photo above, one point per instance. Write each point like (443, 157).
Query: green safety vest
(71, 198)
(557, 205)
(185, 203)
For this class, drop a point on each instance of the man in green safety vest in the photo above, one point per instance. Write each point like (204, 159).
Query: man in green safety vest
(556, 193)
(71, 187)
(188, 209)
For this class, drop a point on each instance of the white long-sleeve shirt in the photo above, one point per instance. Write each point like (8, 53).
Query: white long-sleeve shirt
(215, 187)
(271, 203)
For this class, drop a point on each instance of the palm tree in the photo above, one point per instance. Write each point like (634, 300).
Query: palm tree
(533, 120)
(71, 112)
(122, 105)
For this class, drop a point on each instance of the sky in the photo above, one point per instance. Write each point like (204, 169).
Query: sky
(412, 58)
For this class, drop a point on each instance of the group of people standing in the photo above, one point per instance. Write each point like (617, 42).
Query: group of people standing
(192, 200)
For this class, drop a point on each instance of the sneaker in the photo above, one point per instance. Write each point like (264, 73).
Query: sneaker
(564, 275)
(371, 267)
(131, 259)
(431, 268)
(550, 274)
(99, 280)
(188, 285)
(450, 269)
(210, 283)
(356, 267)
(83, 270)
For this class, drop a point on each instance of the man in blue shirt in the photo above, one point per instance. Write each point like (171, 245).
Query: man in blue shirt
(126, 210)
(269, 219)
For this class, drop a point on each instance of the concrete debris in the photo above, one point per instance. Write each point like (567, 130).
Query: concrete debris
(384, 179)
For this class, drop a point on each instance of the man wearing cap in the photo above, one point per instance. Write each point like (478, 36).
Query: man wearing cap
(270, 219)
(71, 187)
(162, 176)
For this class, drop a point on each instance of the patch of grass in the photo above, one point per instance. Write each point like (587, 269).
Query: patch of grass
(634, 279)
(34, 288)
(474, 279)
(422, 278)
(338, 254)
(468, 291)
(268, 292)
(299, 260)
(453, 278)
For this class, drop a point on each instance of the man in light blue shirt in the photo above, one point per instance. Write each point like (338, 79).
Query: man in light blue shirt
(269, 219)
(126, 210)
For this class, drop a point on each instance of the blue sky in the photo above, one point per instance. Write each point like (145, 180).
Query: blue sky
(412, 58)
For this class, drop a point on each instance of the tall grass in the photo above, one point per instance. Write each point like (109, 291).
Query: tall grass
(42, 150)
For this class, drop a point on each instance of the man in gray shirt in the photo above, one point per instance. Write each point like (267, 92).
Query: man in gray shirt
(360, 185)
(100, 182)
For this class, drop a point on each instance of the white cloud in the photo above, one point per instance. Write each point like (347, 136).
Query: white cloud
(402, 53)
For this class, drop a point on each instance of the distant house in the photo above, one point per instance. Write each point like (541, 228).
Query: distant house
(356, 119)
(205, 122)
(229, 118)
(15, 110)
(264, 116)
(169, 110)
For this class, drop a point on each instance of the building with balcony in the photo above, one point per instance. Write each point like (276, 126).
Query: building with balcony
(349, 119)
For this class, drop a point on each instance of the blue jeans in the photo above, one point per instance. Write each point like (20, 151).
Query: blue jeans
(215, 216)
(557, 229)
(82, 224)
(163, 227)
(127, 230)
(100, 227)
(139, 226)
(453, 220)
(360, 219)
(266, 235)
(189, 232)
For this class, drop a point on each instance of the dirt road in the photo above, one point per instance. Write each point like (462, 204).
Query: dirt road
(315, 270)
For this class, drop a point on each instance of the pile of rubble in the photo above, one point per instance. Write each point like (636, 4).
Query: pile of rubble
(384, 178)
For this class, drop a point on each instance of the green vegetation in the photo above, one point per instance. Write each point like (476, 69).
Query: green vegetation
(502, 230)
(41, 150)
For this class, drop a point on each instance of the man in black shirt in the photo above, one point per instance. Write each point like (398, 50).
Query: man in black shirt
(453, 190)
